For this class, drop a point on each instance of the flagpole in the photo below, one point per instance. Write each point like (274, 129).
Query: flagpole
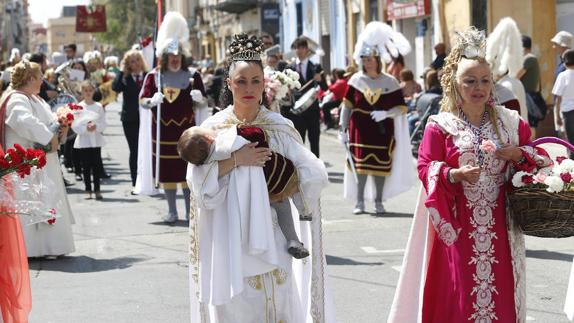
(158, 114)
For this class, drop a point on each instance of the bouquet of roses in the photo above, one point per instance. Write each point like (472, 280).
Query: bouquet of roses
(278, 85)
(23, 187)
(554, 179)
(19, 160)
(65, 114)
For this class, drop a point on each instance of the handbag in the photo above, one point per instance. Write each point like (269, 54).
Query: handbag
(536, 104)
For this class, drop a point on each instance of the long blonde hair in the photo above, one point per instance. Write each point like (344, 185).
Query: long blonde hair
(125, 66)
(471, 37)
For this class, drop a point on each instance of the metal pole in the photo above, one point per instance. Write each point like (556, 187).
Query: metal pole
(157, 131)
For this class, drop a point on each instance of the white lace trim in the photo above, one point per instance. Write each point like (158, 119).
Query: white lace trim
(444, 229)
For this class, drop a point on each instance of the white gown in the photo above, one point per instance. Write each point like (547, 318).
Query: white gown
(240, 270)
(27, 121)
(569, 306)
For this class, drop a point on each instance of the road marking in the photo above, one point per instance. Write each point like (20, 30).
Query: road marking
(369, 249)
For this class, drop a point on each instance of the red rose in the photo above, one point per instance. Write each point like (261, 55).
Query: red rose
(566, 177)
(4, 164)
(21, 151)
(70, 117)
(559, 159)
(51, 221)
(527, 179)
(41, 161)
(52, 211)
(23, 170)
(15, 158)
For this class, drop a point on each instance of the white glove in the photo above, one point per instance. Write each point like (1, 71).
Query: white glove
(156, 99)
(196, 96)
(343, 137)
(395, 112)
(379, 115)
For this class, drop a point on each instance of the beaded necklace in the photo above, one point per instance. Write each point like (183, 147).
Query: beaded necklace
(477, 135)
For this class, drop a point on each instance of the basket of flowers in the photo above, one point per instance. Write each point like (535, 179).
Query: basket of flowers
(542, 201)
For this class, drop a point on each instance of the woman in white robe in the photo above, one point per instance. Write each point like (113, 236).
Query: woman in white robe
(230, 280)
(27, 120)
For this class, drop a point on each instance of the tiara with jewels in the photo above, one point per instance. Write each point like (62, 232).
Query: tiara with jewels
(246, 55)
(244, 48)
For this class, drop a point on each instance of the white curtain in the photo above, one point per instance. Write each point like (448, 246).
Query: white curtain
(338, 34)
(289, 21)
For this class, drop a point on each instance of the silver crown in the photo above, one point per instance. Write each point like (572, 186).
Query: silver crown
(246, 55)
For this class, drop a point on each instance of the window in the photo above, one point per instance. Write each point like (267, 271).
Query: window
(479, 14)
(373, 10)
(299, 7)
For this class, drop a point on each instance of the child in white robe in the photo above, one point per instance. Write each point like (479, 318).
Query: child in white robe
(199, 146)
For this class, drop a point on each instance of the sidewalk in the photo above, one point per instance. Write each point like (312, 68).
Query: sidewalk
(128, 266)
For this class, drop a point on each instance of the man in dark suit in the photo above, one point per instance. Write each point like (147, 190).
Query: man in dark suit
(129, 81)
(308, 122)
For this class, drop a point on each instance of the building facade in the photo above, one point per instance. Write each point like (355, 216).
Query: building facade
(62, 31)
(14, 21)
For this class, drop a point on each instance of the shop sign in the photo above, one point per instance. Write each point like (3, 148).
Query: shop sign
(401, 9)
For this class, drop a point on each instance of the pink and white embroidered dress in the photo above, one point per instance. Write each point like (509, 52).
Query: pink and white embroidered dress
(473, 256)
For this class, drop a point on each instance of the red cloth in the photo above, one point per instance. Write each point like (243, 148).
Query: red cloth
(339, 88)
(91, 19)
(15, 293)
(470, 273)
(512, 105)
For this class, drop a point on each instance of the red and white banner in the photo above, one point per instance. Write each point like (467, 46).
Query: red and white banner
(91, 19)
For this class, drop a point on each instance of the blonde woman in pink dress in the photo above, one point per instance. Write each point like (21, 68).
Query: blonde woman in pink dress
(465, 257)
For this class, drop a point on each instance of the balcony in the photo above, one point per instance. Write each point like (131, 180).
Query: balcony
(236, 6)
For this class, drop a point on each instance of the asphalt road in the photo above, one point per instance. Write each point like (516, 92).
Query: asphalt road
(130, 267)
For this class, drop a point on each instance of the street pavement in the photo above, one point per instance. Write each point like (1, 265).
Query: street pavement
(130, 267)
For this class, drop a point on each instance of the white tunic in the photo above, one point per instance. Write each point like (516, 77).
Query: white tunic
(27, 121)
(231, 279)
(89, 139)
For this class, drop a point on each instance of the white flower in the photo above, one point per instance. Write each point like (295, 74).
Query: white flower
(555, 184)
(517, 178)
(566, 166)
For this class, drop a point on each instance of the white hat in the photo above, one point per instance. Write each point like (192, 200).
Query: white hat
(14, 54)
(504, 48)
(379, 39)
(173, 35)
(564, 39)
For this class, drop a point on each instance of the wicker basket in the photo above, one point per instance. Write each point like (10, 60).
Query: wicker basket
(540, 213)
(543, 214)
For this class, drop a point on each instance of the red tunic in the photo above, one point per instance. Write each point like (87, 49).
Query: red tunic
(176, 116)
(372, 143)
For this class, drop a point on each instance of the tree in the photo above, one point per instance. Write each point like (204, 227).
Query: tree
(127, 22)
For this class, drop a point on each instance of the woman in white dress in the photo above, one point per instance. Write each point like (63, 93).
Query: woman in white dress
(27, 120)
(230, 280)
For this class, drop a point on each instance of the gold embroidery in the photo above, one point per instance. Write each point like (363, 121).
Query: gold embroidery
(173, 185)
(280, 276)
(348, 103)
(167, 156)
(165, 142)
(275, 162)
(255, 282)
(280, 176)
(170, 121)
(368, 146)
(358, 160)
(372, 96)
(171, 93)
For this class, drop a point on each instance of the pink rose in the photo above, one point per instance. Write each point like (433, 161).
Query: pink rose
(488, 146)
(539, 178)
